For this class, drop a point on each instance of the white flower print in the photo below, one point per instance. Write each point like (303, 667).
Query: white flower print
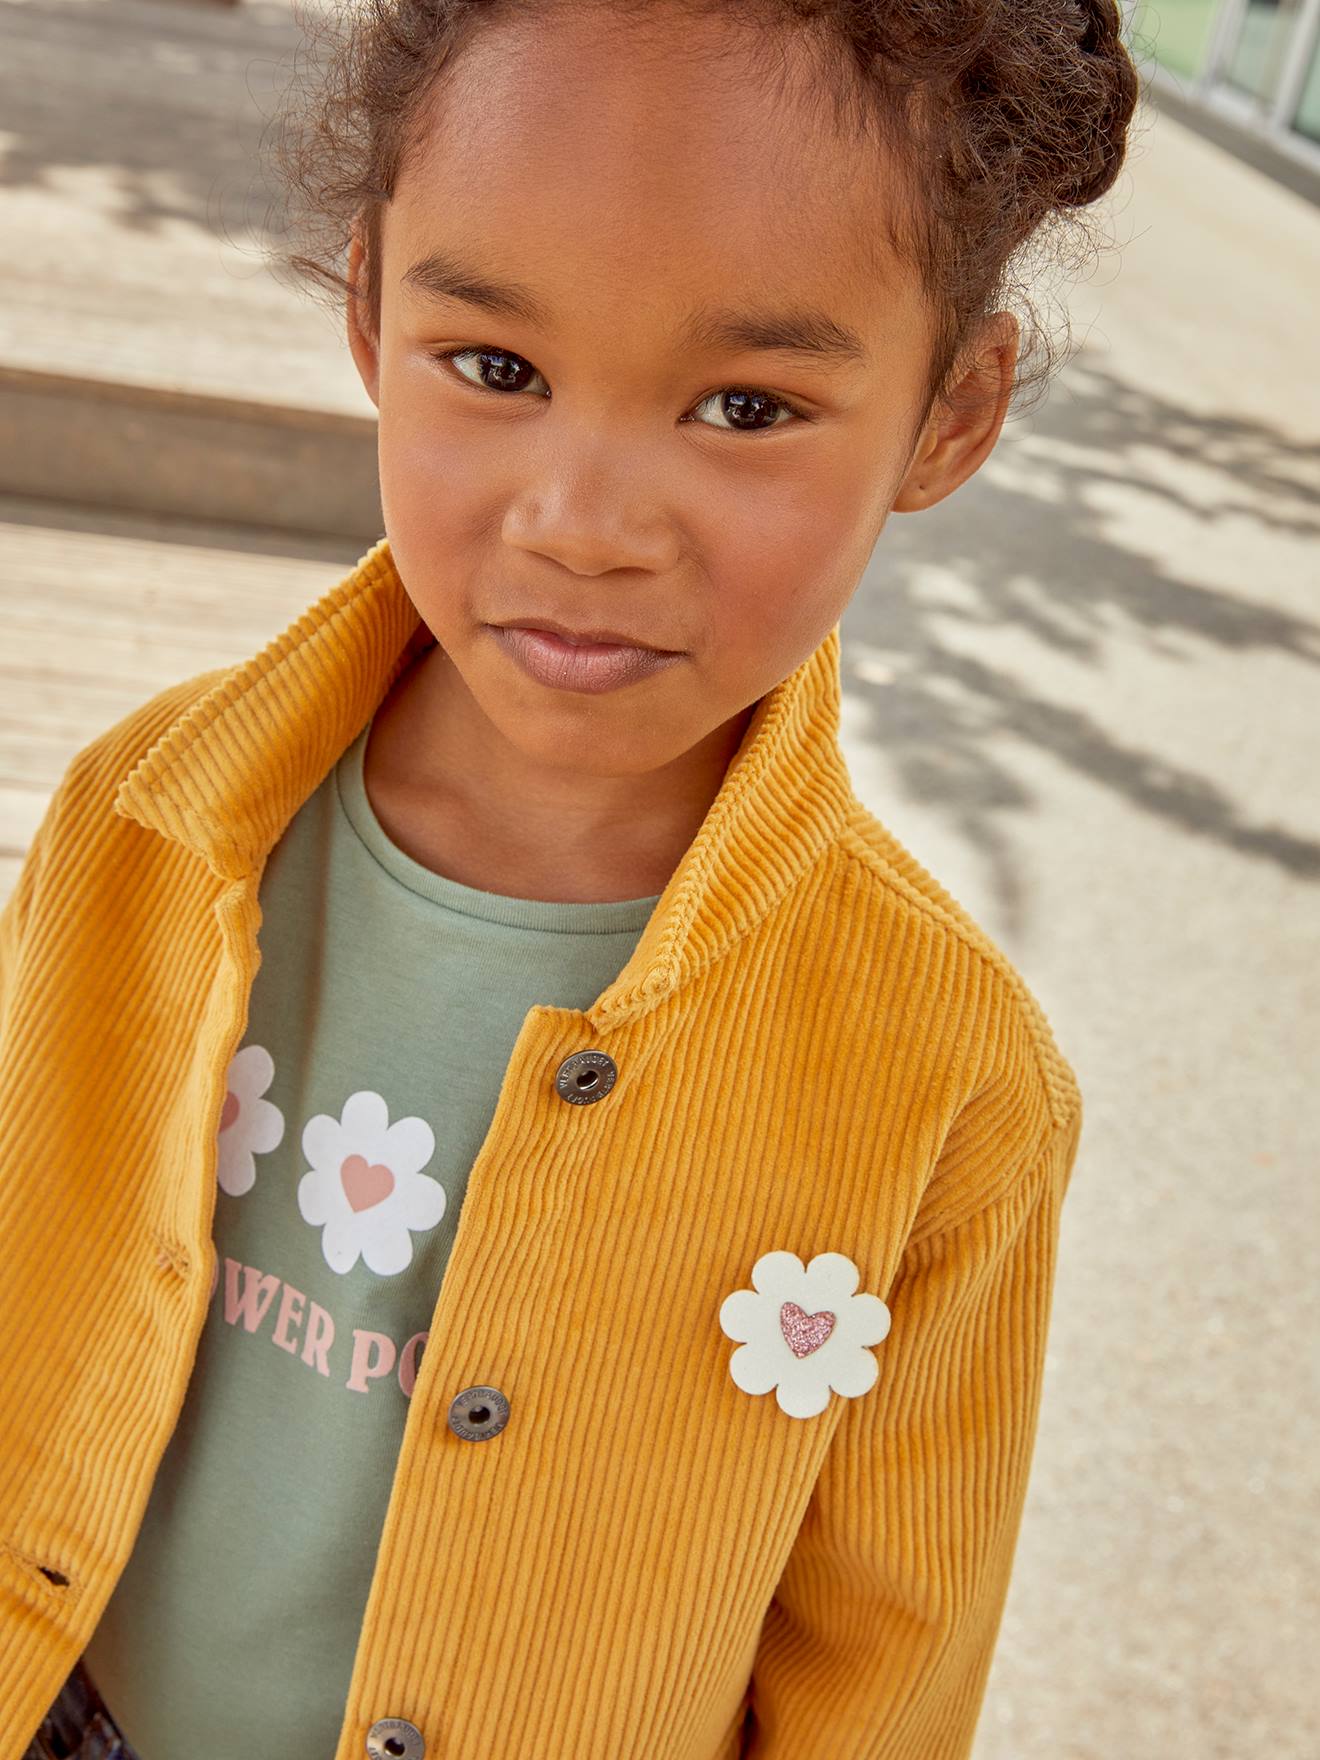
(804, 1331)
(365, 1189)
(249, 1125)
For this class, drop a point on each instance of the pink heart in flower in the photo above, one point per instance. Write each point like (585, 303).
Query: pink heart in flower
(805, 1332)
(229, 1111)
(365, 1185)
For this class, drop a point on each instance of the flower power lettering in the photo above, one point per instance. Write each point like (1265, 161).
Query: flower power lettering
(307, 1330)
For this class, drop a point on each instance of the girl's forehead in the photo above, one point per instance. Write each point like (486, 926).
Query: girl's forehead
(558, 144)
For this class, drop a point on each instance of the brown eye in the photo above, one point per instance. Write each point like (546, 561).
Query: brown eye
(744, 409)
(499, 370)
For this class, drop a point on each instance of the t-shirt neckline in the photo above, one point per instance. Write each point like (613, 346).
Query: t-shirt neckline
(594, 917)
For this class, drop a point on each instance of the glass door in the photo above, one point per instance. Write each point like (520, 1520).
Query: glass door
(1306, 118)
(1176, 32)
(1257, 59)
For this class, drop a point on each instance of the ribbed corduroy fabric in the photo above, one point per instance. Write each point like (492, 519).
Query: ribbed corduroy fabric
(817, 1051)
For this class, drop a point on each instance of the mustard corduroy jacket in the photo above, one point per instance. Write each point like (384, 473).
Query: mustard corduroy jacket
(769, 1316)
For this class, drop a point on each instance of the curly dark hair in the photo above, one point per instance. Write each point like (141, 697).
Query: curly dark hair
(1002, 118)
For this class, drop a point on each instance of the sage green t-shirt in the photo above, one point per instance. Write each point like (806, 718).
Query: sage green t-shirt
(381, 1020)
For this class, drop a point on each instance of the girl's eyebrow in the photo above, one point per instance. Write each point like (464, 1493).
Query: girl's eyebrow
(803, 330)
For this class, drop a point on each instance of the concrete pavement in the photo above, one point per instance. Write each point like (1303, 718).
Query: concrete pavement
(148, 359)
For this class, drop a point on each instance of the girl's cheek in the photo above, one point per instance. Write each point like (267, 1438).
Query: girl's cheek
(432, 463)
(784, 573)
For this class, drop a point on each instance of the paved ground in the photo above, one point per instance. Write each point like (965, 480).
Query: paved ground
(134, 134)
(1083, 691)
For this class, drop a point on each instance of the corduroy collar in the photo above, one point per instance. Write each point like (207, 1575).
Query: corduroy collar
(229, 774)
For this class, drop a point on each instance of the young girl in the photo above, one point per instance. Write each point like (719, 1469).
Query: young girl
(529, 1218)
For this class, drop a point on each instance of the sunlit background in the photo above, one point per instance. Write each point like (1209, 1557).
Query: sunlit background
(1083, 690)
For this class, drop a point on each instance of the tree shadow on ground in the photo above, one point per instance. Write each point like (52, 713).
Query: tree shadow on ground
(175, 100)
(1036, 548)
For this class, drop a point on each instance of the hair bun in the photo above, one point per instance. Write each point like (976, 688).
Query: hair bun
(1106, 97)
(1101, 25)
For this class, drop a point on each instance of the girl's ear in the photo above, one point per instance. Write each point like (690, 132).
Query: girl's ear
(962, 432)
(365, 347)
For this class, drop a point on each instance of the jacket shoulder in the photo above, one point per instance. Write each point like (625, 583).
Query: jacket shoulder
(99, 766)
(85, 792)
(898, 875)
(77, 824)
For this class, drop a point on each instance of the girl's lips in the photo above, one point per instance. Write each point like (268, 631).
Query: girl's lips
(594, 666)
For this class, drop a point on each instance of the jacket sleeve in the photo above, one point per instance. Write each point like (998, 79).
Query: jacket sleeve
(878, 1641)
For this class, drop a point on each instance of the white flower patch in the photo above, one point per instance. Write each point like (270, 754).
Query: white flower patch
(804, 1331)
(249, 1125)
(365, 1189)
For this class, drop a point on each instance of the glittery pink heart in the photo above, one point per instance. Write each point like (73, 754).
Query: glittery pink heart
(229, 1111)
(365, 1185)
(805, 1332)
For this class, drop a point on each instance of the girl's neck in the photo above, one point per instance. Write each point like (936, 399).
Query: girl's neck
(457, 796)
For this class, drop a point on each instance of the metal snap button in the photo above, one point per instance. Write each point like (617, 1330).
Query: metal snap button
(477, 1413)
(584, 1077)
(394, 1738)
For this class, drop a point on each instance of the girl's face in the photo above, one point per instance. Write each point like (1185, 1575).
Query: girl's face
(633, 224)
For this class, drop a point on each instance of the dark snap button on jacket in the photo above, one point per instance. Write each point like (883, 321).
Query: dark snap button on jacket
(394, 1738)
(584, 1077)
(478, 1412)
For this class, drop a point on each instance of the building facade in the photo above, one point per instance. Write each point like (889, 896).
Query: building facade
(1251, 64)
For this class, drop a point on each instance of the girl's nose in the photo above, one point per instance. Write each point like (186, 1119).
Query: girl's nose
(591, 526)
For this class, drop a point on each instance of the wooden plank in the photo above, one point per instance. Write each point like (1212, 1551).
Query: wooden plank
(99, 612)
